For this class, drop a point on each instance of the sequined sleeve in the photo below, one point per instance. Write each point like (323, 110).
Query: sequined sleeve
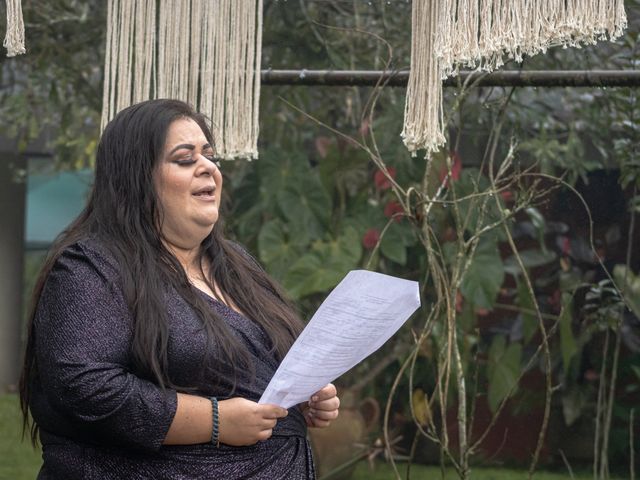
(83, 336)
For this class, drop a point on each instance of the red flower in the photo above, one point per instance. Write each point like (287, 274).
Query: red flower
(370, 238)
(591, 375)
(555, 299)
(459, 301)
(456, 168)
(322, 146)
(381, 181)
(507, 195)
(566, 246)
(449, 235)
(364, 127)
(392, 209)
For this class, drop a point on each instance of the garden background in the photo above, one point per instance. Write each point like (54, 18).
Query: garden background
(521, 231)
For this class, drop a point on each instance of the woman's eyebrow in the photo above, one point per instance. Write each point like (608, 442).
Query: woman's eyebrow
(189, 146)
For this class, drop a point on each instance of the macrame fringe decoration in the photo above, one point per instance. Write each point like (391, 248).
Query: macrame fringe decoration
(484, 34)
(14, 38)
(207, 53)
(423, 122)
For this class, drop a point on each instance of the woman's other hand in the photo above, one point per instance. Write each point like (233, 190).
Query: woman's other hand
(322, 407)
(243, 422)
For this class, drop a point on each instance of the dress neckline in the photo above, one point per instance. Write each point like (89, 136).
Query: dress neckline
(218, 302)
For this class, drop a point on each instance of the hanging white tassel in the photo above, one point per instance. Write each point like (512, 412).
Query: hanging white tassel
(14, 39)
(423, 123)
(208, 54)
(449, 34)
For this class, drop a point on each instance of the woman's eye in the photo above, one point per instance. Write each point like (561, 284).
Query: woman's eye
(185, 161)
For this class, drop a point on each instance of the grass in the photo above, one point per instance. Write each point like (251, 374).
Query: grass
(19, 461)
(384, 471)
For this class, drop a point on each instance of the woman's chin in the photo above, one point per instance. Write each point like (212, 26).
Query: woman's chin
(206, 224)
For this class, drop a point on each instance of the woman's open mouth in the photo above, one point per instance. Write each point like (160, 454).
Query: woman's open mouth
(205, 193)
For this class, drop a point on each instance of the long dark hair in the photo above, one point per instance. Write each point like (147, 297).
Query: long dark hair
(123, 212)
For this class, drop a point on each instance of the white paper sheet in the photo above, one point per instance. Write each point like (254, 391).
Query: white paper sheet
(356, 319)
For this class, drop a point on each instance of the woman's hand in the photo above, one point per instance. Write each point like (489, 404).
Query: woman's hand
(243, 422)
(322, 407)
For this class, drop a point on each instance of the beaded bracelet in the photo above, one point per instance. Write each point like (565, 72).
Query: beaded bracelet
(215, 432)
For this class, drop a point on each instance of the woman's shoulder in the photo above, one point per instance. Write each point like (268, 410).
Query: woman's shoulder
(89, 252)
(82, 268)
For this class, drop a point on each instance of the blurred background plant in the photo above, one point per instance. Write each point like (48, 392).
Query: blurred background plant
(521, 231)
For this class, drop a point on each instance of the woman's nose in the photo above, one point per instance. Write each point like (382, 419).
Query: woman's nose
(205, 165)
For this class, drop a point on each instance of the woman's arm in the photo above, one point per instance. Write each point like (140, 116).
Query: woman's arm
(83, 332)
(241, 421)
(83, 337)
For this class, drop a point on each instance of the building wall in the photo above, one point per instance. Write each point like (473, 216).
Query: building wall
(12, 215)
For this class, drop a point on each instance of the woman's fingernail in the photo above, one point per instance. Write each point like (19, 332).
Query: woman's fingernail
(314, 398)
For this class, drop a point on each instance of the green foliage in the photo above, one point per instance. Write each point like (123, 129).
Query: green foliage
(384, 471)
(395, 241)
(526, 302)
(531, 258)
(603, 305)
(484, 276)
(308, 219)
(54, 92)
(629, 285)
(305, 205)
(20, 461)
(325, 265)
(503, 370)
(574, 402)
(476, 204)
(567, 340)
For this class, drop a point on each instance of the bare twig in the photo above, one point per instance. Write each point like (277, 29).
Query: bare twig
(632, 464)
(604, 458)
(600, 406)
(567, 464)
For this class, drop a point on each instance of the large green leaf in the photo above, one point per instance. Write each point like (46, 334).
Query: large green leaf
(350, 246)
(484, 277)
(316, 197)
(479, 210)
(325, 266)
(307, 275)
(531, 258)
(274, 248)
(573, 402)
(630, 286)
(344, 171)
(567, 340)
(306, 206)
(392, 245)
(529, 320)
(303, 224)
(395, 241)
(503, 370)
(277, 171)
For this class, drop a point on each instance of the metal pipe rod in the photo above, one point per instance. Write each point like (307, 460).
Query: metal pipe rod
(505, 78)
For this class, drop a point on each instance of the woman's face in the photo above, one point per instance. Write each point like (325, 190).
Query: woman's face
(189, 185)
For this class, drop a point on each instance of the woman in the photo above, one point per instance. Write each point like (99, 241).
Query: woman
(153, 336)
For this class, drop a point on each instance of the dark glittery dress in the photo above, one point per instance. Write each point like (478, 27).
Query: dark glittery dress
(100, 421)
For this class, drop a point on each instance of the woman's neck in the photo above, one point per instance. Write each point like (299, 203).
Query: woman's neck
(197, 272)
(188, 257)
